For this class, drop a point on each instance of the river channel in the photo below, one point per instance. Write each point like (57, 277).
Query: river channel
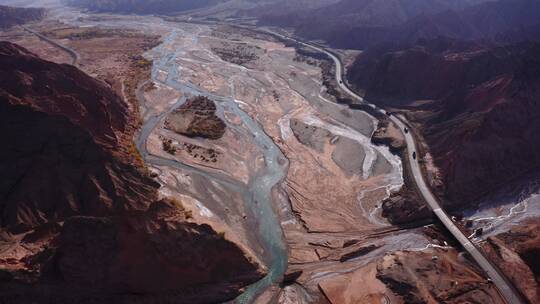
(258, 193)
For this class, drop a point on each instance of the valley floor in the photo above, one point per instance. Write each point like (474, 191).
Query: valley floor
(295, 179)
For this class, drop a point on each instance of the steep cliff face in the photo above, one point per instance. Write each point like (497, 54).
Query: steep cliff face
(516, 253)
(10, 16)
(66, 133)
(80, 220)
(477, 107)
(155, 256)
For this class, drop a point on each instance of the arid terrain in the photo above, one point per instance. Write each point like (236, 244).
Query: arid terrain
(226, 163)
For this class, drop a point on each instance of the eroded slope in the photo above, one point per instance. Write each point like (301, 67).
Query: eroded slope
(80, 219)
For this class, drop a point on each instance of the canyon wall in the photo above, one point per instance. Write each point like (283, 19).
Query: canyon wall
(476, 107)
(81, 218)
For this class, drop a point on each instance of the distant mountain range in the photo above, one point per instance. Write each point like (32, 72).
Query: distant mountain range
(10, 16)
(356, 13)
(143, 6)
(358, 24)
(251, 8)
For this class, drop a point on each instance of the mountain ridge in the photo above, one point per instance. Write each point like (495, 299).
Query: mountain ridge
(11, 16)
(81, 220)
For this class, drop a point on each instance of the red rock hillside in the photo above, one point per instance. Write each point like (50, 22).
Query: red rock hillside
(65, 132)
(478, 108)
(516, 253)
(80, 222)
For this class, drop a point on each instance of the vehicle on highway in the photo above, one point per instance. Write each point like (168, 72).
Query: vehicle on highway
(414, 155)
(479, 232)
(406, 130)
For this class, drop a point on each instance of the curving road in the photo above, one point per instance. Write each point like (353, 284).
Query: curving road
(74, 55)
(505, 288)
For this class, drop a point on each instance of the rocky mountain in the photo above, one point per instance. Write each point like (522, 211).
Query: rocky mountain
(282, 10)
(361, 24)
(70, 123)
(476, 107)
(502, 21)
(205, 8)
(367, 12)
(10, 16)
(344, 23)
(358, 24)
(80, 217)
(143, 6)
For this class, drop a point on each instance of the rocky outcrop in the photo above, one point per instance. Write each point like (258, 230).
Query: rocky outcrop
(429, 276)
(68, 135)
(81, 219)
(147, 257)
(357, 253)
(52, 169)
(476, 107)
(411, 275)
(405, 207)
(516, 253)
(11, 16)
(196, 118)
(388, 135)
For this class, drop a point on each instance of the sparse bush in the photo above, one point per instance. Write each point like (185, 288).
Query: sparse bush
(144, 63)
(168, 146)
(135, 154)
(188, 214)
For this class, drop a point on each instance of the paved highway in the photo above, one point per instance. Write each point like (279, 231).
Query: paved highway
(74, 55)
(505, 288)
